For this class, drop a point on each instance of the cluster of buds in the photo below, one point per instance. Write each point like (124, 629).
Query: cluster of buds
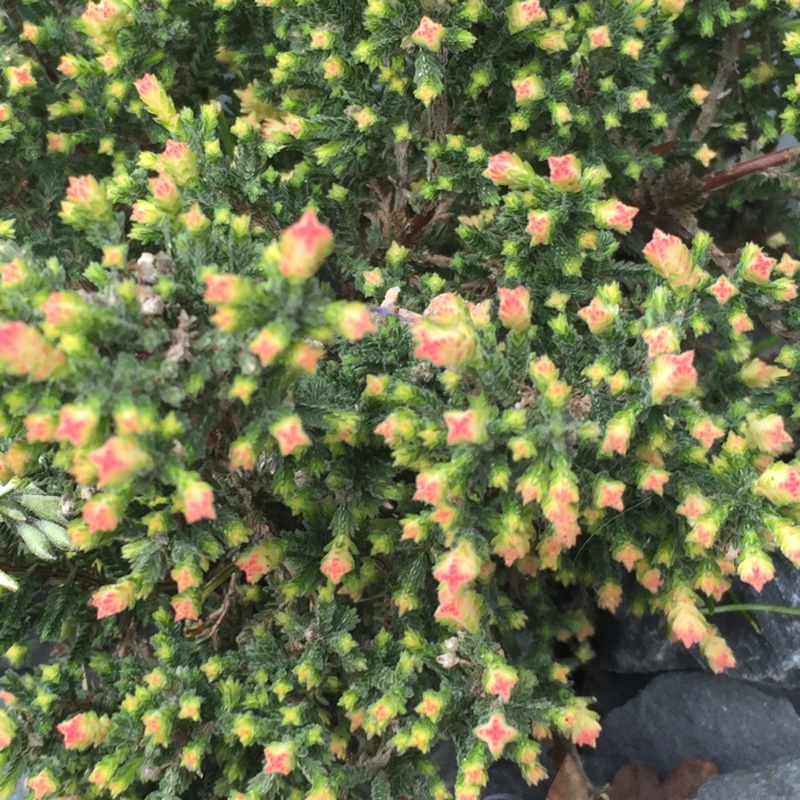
(456, 570)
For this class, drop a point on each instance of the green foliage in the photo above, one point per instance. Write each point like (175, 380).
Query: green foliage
(325, 328)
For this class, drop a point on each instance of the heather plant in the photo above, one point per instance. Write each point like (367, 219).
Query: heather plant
(354, 353)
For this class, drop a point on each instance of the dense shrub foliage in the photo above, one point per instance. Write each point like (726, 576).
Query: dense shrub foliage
(353, 352)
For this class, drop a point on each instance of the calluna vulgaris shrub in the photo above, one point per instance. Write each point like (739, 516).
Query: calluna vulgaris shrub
(342, 340)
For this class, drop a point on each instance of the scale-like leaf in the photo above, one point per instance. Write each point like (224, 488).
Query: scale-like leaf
(35, 541)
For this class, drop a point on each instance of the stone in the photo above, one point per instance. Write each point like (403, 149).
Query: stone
(768, 654)
(683, 714)
(777, 781)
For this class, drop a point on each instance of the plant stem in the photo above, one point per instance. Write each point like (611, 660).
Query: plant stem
(757, 607)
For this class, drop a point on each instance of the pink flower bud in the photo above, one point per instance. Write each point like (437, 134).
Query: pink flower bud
(755, 266)
(114, 599)
(42, 784)
(466, 427)
(179, 162)
(186, 605)
(337, 563)
(723, 290)
(515, 308)
(165, 193)
(429, 34)
(579, 723)
(303, 247)
(224, 288)
(599, 316)
(717, 653)
(565, 173)
(608, 494)
(76, 424)
(598, 37)
(186, 575)
(7, 728)
(525, 13)
(354, 321)
(83, 730)
(156, 100)
(196, 500)
(118, 460)
(24, 351)
(431, 486)
(540, 227)
(279, 758)
(755, 568)
(779, 483)
(460, 609)
(614, 214)
(156, 727)
(496, 733)
(663, 339)
(458, 567)
(673, 375)
(259, 560)
(500, 680)
(290, 434)
(19, 78)
(269, 343)
(102, 512)
(767, 433)
(528, 90)
(507, 169)
(241, 455)
(443, 346)
(40, 427)
(670, 258)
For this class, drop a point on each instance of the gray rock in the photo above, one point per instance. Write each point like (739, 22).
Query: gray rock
(769, 655)
(779, 781)
(684, 714)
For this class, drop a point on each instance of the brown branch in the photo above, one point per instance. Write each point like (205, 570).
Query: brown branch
(721, 178)
(727, 59)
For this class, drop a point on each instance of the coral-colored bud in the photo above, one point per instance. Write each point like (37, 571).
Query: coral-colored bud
(540, 226)
(608, 494)
(431, 486)
(525, 13)
(529, 89)
(443, 346)
(40, 427)
(717, 653)
(500, 680)
(627, 554)
(224, 288)
(618, 434)
(187, 575)
(337, 563)
(496, 733)
(673, 375)
(303, 247)
(599, 37)
(354, 321)
(755, 568)
(156, 100)
(270, 342)
(24, 351)
(7, 728)
(460, 609)
(458, 567)
(83, 730)
(156, 727)
(515, 308)
(102, 512)
(723, 290)
(565, 173)
(42, 784)
(114, 599)
(579, 723)
(466, 427)
(615, 215)
(660, 340)
(279, 758)
(429, 34)
(670, 258)
(76, 424)
(195, 220)
(118, 460)
(755, 266)
(767, 433)
(242, 455)
(431, 705)
(179, 162)
(196, 500)
(290, 434)
(19, 78)
(186, 605)
(599, 315)
(508, 169)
